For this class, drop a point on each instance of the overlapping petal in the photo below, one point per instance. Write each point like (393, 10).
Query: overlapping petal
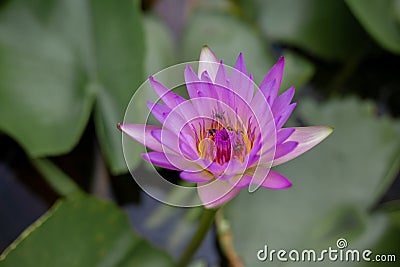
(272, 81)
(307, 138)
(208, 62)
(142, 134)
(215, 193)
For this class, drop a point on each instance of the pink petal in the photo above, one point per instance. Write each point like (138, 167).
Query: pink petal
(159, 159)
(283, 134)
(233, 167)
(175, 118)
(276, 180)
(241, 83)
(212, 167)
(284, 116)
(190, 141)
(215, 193)
(192, 82)
(171, 141)
(166, 138)
(207, 85)
(307, 137)
(240, 181)
(208, 62)
(188, 151)
(159, 111)
(222, 79)
(283, 101)
(187, 111)
(171, 161)
(261, 108)
(271, 90)
(142, 134)
(196, 177)
(176, 123)
(265, 177)
(199, 87)
(285, 148)
(167, 96)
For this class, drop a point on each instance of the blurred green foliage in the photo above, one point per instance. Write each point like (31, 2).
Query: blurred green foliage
(381, 20)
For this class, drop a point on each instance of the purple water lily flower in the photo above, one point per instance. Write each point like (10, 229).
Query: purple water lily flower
(225, 137)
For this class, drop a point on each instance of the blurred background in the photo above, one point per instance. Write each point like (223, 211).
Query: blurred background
(68, 69)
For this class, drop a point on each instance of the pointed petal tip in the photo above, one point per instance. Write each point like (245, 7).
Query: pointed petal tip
(122, 127)
(240, 65)
(327, 131)
(153, 82)
(285, 186)
(277, 181)
(188, 68)
(307, 137)
(269, 179)
(207, 54)
(323, 131)
(145, 156)
(149, 103)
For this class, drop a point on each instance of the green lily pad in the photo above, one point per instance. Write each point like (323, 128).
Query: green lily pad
(86, 232)
(334, 187)
(119, 51)
(160, 50)
(45, 100)
(381, 20)
(55, 57)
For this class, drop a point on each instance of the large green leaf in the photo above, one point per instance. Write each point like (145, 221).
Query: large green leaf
(380, 19)
(160, 52)
(323, 28)
(45, 100)
(54, 56)
(119, 51)
(334, 187)
(83, 232)
(108, 38)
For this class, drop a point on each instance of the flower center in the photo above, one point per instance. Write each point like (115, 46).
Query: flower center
(221, 144)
